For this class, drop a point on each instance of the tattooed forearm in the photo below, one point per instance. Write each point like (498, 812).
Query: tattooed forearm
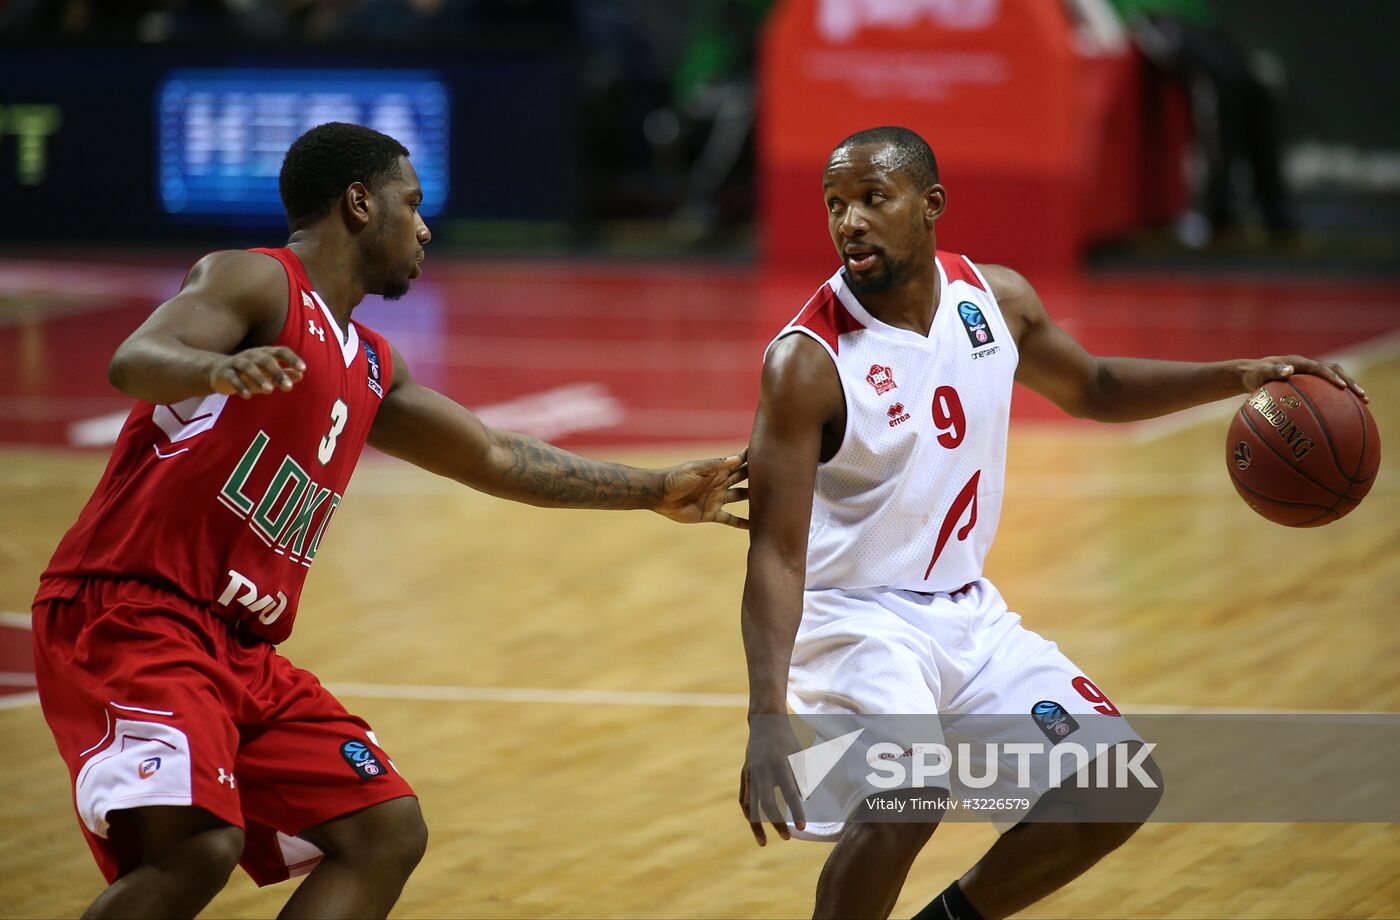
(546, 475)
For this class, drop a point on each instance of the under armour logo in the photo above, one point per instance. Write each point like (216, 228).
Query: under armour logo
(226, 778)
(315, 330)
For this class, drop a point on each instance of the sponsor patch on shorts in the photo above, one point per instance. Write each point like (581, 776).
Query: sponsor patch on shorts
(361, 759)
(1054, 720)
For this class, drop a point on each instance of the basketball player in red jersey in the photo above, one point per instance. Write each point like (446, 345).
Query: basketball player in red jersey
(193, 745)
(877, 459)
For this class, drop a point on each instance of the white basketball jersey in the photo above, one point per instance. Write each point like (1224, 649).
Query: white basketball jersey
(912, 497)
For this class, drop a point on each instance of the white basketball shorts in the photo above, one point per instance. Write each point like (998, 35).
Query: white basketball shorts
(880, 651)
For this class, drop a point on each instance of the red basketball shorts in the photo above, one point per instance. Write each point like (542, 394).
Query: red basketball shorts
(154, 700)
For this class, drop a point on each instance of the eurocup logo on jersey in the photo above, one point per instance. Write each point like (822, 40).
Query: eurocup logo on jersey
(881, 378)
(149, 767)
(373, 358)
(978, 332)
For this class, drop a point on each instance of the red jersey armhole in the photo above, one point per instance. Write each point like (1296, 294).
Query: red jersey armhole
(291, 287)
(386, 360)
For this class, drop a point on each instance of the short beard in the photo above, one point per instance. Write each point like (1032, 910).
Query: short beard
(895, 274)
(395, 289)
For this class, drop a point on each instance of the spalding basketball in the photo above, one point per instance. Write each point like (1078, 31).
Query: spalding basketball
(1303, 452)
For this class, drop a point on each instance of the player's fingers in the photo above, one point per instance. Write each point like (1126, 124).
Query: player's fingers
(1327, 372)
(787, 787)
(1343, 379)
(746, 806)
(272, 368)
(729, 520)
(289, 358)
(228, 381)
(794, 804)
(768, 808)
(738, 476)
(252, 374)
(256, 381)
(736, 495)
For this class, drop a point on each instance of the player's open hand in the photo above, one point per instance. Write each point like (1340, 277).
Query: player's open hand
(766, 770)
(257, 371)
(1258, 373)
(696, 492)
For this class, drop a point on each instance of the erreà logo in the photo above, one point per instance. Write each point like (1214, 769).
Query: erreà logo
(978, 332)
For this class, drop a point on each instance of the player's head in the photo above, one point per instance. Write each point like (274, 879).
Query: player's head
(882, 198)
(362, 178)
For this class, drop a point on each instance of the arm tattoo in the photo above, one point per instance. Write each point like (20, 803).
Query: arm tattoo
(557, 477)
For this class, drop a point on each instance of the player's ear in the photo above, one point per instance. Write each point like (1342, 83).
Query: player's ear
(356, 205)
(935, 202)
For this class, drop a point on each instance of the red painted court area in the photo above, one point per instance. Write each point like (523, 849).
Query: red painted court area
(624, 354)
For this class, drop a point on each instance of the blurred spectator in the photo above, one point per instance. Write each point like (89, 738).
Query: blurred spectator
(322, 21)
(145, 21)
(1232, 110)
(712, 108)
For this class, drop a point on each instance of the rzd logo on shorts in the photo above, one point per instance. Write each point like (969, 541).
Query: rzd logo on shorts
(1053, 720)
(361, 759)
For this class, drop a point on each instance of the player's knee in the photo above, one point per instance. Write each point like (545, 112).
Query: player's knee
(410, 837)
(188, 843)
(390, 837)
(210, 856)
(1141, 791)
(1152, 794)
(397, 835)
(904, 838)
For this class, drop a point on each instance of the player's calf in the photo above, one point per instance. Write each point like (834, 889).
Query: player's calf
(1068, 831)
(866, 869)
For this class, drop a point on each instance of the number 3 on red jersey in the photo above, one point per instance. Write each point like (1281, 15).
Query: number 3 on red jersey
(951, 421)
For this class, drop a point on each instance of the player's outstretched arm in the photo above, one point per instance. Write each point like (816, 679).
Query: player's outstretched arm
(420, 425)
(208, 338)
(1127, 389)
(800, 394)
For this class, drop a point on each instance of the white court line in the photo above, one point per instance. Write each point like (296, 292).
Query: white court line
(453, 694)
(1354, 359)
(457, 694)
(17, 700)
(569, 696)
(16, 620)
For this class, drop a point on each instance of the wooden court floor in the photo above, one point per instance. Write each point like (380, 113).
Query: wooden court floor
(580, 756)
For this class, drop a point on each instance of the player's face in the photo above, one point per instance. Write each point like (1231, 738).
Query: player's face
(876, 217)
(400, 234)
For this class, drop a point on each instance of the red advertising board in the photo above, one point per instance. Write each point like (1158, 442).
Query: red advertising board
(1035, 140)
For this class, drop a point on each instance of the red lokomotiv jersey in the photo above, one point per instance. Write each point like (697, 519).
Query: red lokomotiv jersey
(227, 500)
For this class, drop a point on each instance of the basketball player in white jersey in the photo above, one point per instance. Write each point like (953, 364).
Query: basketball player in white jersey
(876, 474)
